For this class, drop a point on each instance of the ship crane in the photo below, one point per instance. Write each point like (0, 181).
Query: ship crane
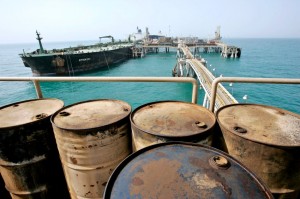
(108, 36)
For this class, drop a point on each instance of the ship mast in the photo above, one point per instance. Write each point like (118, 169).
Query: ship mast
(40, 42)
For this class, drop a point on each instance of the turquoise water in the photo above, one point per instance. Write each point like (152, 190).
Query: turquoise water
(260, 58)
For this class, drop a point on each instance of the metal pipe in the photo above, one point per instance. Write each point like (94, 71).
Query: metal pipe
(246, 80)
(195, 91)
(38, 89)
(36, 81)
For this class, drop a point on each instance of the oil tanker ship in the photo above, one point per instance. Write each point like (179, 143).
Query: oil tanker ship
(69, 61)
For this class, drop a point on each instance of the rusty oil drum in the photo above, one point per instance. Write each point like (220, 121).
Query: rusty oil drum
(29, 160)
(92, 137)
(183, 170)
(164, 121)
(267, 140)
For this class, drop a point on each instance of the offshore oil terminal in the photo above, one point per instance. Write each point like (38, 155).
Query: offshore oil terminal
(73, 60)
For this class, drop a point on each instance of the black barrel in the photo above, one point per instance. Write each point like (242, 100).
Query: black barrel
(183, 170)
(4, 194)
(29, 160)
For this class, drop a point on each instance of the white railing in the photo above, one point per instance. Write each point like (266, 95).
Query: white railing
(246, 80)
(36, 81)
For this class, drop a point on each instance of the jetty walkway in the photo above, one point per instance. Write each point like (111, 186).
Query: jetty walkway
(191, 66)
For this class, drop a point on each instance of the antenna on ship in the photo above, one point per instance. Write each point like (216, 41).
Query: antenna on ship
(40, 42)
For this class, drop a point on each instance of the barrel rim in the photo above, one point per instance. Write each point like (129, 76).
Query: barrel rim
(253, 140)
(84, 129)
(172, 136)
(112, 179)
(24, 101)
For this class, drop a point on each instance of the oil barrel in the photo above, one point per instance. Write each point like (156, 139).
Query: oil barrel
(267, 140)
(3, 192)
(92, 137)
(29, 159)
(165, 121)
(183, 170)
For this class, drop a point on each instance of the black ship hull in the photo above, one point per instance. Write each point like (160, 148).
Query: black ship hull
(66, 63)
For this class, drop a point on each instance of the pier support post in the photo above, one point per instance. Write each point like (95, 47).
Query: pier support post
(205, 101)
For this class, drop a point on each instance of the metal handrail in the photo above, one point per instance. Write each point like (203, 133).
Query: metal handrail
(36, 81)
(246, 80)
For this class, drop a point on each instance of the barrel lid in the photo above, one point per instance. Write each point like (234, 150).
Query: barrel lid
(260, 123)
(91, 114)
(173, 118)
(182, 170)
(28, 111)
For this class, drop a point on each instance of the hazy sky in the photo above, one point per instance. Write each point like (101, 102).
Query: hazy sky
(69, 20)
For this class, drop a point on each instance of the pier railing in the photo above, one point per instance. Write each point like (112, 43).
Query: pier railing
(246, 80)
(36, 81)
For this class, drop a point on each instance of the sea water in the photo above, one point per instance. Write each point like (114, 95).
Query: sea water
(276, 58)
